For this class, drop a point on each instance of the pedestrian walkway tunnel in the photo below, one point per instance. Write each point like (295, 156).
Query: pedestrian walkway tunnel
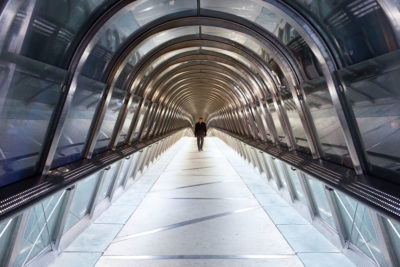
(93, 92)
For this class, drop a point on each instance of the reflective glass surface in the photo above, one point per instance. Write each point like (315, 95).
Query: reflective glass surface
(280, 173)
(82, 199)
(6, 230)
(359, 227)
(372, 91)
(320, 201)
(40, 228)
(148, 121)
(131, 112)
(326, 122)
(294, 178)
(139, 123)
(277, 123)
(79, 119)
(110, 118)
(126, 23)
(124, 171)
(393, 230)
(30, 91)
(48, 30)
(359, 28)
(107, 183)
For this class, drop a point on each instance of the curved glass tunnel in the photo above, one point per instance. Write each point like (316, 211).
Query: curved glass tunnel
(92, 92)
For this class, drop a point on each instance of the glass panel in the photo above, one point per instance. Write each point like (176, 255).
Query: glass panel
(393, 229)
(277, 123)
(82, 199)
(128, 119)
(139, 123)
(134, 161)
(359, 227)
(298, 190)
(124, 171)
(320, 200)
(110, 118)
(6, 230)
(126, 23)
(148, 121)
(107, 183)
(326, 122)
(359, 28)
(29, 94)
(260, 110)
(279, 171)
(79, 119)
(48, 30)
(372, 90)
(237, 37)
(42, 220)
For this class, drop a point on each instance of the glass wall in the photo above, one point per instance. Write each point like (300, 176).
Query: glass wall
(320, 200)
(6, 231)
(110, 119)
(359, 228)
(39, 233)
(131, 112)
(82, 200)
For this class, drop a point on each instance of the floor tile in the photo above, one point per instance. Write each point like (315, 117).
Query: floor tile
(325, 260)
(81, 259)
(305, 238)
(95, 238)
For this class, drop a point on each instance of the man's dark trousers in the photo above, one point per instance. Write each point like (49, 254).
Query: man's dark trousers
(200, 141)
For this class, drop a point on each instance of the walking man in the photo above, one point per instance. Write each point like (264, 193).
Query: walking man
(200, 131)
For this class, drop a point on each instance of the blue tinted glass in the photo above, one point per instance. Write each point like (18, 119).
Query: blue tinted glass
(82, 199)
(131, 112)
(372, 90)
(6, 229)
(359, 227)
(107, 183)
(40, 228)
(29, 93)
(110, 118)
(320, 200)
(79, 119)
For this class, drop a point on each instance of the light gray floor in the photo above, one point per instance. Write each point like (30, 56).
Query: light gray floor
(200, 212)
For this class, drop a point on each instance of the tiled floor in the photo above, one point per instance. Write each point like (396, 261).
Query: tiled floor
(201, 213)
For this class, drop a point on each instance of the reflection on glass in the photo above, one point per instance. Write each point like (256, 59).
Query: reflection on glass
(393, 229)
(139, 123)
(6, 229)
(131, 112)
(326, 122)
(124, 24)
(320, 201)
(77, 124)
(294, 178)
(40, 228)
(359, 227)
(82, 199)
(110, 118)
(281, 177)
(29, 93)
(107, 183)
(148, 121)
(54, 28)
(360, 29)
(277, 123)
(372, 90)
